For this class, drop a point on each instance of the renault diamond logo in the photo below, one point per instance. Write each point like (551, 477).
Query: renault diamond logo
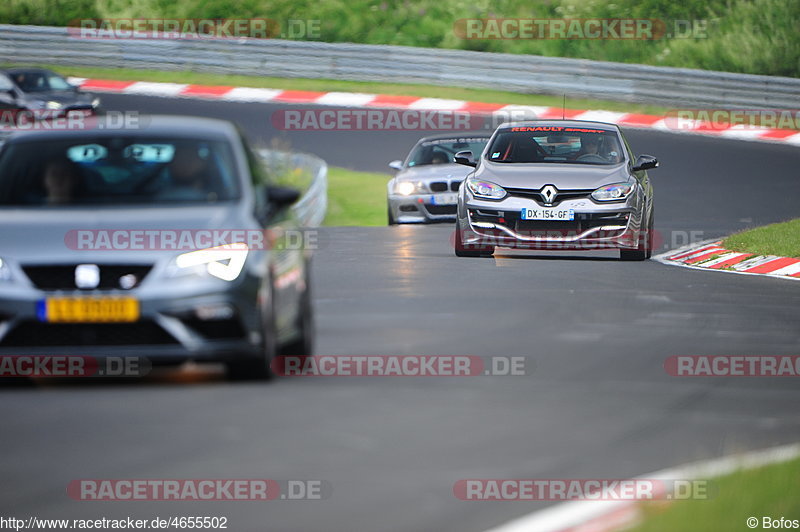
(87, 276)
(549, 193)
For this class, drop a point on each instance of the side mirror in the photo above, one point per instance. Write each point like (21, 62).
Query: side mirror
(396, 165)
(281, 197)
(466, 158)
(271, 200)
(645, 162)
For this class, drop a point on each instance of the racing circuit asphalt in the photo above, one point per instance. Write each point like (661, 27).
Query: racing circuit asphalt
(595, 332)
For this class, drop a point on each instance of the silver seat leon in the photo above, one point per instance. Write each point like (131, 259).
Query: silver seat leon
(155, 241)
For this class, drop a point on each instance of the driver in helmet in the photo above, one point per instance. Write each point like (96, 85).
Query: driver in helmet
(590, 145)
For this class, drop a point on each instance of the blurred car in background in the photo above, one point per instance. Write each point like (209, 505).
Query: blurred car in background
(171, 281)
(42, 93)
(425, 187)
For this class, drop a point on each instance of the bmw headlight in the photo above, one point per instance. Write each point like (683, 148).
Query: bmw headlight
(223, 262)
(406, 188)
(485, 189)
(613, 192)
(53, 105)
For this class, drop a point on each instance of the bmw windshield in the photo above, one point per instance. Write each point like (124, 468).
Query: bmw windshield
(40, 81)
(116, 170)
(556, 144)
(441, 151)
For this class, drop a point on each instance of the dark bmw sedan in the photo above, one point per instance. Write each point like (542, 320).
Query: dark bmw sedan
(157, 242)
(37, 92)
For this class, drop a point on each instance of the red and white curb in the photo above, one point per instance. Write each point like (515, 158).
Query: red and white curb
(610, 516)
(391, 101)
(710, 255)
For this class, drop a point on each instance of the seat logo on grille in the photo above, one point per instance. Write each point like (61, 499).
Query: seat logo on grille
(549, 193)
(87, 276)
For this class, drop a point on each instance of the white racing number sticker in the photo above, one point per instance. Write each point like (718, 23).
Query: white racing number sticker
(150, 153)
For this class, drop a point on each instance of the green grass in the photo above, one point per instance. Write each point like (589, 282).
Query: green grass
(356, 198)
(782, 239)
(769, 491)
(323, 85)
(752, 36)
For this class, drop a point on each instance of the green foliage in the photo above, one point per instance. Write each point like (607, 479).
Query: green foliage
(753, 36)
(46, 12)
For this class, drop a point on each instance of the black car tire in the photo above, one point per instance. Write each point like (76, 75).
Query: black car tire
(472, 251)
(303, 345)
(258, 368)
(645, 248)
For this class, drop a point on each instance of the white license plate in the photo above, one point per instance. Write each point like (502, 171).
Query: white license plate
(444, 199)
(556, 215)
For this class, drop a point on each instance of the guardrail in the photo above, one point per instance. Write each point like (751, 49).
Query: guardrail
(576, 78)
(311, 207)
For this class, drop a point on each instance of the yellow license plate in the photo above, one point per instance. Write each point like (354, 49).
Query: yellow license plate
(89, 309)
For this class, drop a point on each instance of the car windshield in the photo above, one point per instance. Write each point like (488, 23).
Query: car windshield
(441, 151)
(556, 144)
(36, 81)
(116, 171)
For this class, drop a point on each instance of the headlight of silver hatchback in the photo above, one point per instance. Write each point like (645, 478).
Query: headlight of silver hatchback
(613, 192)
(485, 189)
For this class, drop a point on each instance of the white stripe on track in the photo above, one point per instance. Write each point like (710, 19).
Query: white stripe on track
(345, 99)
(155, 89)
(437, 104)
(249, 94)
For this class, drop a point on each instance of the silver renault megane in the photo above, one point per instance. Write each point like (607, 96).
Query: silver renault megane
(556, 185)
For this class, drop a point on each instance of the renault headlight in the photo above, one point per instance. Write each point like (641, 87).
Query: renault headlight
(53, 105)
(223, 262)
(485, 189)
(613, 192)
